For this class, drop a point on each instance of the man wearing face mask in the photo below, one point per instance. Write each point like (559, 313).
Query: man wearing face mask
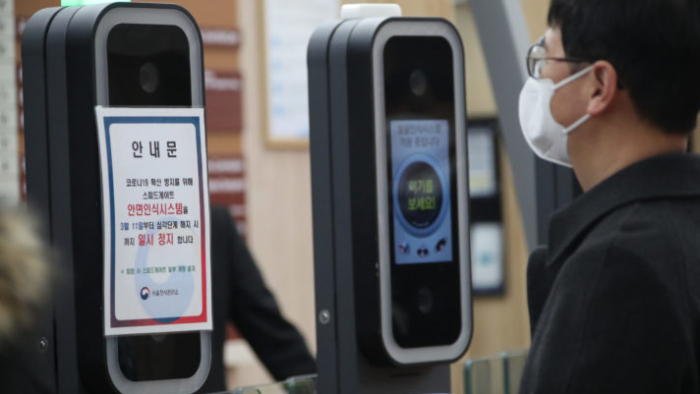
(614, 298)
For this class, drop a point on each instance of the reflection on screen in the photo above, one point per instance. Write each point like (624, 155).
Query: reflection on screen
(421, 191)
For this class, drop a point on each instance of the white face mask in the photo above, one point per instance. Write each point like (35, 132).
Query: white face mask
(546, 137)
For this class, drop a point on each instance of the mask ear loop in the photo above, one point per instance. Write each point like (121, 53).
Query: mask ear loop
(571, 78)
(577, 123)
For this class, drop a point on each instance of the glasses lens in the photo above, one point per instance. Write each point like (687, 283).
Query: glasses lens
(537, 71)
(535, 57)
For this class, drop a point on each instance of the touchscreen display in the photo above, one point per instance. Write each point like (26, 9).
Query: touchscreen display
(420, 168)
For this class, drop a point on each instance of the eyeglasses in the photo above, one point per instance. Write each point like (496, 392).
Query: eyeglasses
(536, 59)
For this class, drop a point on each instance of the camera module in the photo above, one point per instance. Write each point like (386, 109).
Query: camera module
(418, 82)
(149, 77)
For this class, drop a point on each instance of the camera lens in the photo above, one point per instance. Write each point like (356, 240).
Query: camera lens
(149, 77)
(425, 301)
(418, 82)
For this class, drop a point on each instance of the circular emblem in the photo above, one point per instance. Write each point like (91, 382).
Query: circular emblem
(145, 292)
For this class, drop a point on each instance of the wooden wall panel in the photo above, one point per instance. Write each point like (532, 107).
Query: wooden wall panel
(207, 10)
(26, 8)
(480, 99)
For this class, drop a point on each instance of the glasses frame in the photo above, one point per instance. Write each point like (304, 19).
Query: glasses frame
(531, 61)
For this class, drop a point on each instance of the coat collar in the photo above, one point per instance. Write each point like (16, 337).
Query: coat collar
(667, 176)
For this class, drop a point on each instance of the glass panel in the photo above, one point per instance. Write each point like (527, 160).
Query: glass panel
(513, 366)
(484, 376)
(296, 385)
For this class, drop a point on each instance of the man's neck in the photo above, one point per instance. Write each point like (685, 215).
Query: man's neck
(618, 147)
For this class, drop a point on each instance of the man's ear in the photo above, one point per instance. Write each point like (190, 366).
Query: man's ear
(603, 87)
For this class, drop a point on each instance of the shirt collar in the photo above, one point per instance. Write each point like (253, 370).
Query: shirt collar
(666, 176)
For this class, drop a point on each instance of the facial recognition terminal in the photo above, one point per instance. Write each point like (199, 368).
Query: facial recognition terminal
(76, 59)
(152, 64)
(389, 180)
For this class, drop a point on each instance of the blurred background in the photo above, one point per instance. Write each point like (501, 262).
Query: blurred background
(259, 166)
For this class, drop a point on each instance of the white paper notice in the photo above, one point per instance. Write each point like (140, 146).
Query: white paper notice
(156, 220)
(288, 28)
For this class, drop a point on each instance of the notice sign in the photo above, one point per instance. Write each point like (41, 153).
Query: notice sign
(156, 220)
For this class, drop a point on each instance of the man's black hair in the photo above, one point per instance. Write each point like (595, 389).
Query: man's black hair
(654, 46)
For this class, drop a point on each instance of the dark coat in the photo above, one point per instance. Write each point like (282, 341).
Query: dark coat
(614, 299)
(240, 295)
